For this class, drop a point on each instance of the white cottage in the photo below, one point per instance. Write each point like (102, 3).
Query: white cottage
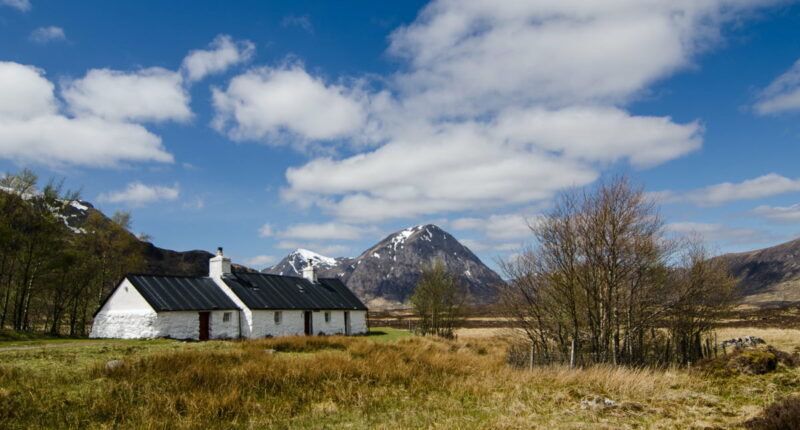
(227, 305)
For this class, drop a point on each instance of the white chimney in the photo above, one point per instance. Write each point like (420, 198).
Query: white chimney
(219, 265)
(310, 272)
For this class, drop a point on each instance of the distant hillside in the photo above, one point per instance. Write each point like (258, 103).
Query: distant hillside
(385, 274)
(158, 261)
(769, 276)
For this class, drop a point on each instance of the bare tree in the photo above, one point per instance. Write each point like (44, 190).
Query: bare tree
(438, 301)
(700, 291)
(594, 288)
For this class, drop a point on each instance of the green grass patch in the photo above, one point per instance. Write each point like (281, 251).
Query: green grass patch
(387, 334)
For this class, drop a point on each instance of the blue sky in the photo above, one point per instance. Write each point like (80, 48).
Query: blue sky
(267, 126)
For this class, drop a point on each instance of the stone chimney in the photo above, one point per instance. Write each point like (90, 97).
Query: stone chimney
(310, 272)
(219, 265)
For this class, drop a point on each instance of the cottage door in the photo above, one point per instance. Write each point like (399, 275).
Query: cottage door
(309, 327)
(347, 323)
(204, 317)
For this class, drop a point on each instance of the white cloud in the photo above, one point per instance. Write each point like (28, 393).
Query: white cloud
(264, 103)
(714, 195)
(324, 231)
(302, 21)
(782, 95)
(260, 260)
(266, 230)
(508, 226)
(330, 250)
(23, 5)
(471, 57)
(224, 52)
(482, 245)
(600, 134)
(458, 167)
(195, 205)
(781, 214)
(474, 245)
(506, 102)
(713, 232)
(24, 92)
(43, 35)
(138, 194)
(153, 94)
(33, 131)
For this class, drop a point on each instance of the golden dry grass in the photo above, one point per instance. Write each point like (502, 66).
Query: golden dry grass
(338, 382)
(781, 338)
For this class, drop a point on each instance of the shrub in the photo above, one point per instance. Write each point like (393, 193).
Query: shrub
(750, 361)
(754, 362)
(781, 415)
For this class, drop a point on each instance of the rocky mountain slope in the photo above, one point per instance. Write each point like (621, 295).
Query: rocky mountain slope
(158, 261)
(769, 276)
(385, 274)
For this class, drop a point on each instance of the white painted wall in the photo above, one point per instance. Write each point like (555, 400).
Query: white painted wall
(179, 324)
(245, 316)
(293, 323)
(224, 330)
(186, 325)
(264, 324)
(358, 322)
(125, 315)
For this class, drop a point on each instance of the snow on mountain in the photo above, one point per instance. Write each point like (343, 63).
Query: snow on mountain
(73, 213)
(293, 264)
(316, 258)
(388, 271)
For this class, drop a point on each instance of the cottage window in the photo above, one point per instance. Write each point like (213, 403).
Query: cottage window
(278, 317)
(226, 317)
(327, 317)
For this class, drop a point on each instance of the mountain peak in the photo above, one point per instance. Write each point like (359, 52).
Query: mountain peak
(306, 255)
(388, 271)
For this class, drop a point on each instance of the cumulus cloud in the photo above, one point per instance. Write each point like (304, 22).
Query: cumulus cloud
(782, 95)
(44, 35)
(138, 194)
(302, 21)
(458, 167)
(505, 103)
(152, 94)
(23, 5)
(266, 102)
(470, 57)
(223, 53)
(323, 231)
(600, 134)
(24, 92)
(266, 230)
(714, 195)
(260, 260)
(781, 214)
(32, 130)
(713, 232)
(508, 226)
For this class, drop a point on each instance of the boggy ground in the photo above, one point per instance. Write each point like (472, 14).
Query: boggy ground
(389, 381)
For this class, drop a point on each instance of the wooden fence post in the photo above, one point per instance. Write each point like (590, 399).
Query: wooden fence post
(531, 358)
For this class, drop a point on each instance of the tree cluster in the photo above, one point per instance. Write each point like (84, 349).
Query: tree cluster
(438, 301)
(53, 276)
(604, 285)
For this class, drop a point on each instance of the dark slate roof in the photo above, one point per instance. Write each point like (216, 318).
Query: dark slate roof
(264, 291)
(178, 293)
